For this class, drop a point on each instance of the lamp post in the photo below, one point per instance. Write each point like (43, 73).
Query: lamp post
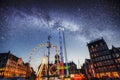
(49, 46)
(65, 52)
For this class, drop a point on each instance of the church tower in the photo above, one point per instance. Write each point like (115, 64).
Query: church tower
(57, 59)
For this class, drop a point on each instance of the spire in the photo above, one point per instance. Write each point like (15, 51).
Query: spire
(9, 51)
(113, 46)
(57, 59)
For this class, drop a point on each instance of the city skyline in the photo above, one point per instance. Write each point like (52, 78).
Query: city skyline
(26, 24)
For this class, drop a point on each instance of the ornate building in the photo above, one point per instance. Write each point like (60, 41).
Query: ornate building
(73, 68)
(12, 67)
(115, 53)
(105, 62)
(87, 69)
(57, 59)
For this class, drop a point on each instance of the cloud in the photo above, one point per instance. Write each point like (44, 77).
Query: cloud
(2, 38)
(70, 26)
(27, 19)
(82, 38)
(37, 18)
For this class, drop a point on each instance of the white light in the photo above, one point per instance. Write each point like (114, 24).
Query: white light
(44, 60)
(60, 28)
(72, 75)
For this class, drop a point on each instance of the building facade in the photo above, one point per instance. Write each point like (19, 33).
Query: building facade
(87, 69)
(73, 68)
(103, 59)
(115, 53)
(12, 67)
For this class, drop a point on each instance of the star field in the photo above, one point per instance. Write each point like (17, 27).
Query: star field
(26, 23)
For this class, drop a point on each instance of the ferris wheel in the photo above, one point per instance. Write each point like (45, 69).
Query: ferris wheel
(39, 61)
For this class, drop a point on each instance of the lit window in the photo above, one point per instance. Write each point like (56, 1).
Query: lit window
(101, 44)
(96, 45)
(92, 46)
(117, 55)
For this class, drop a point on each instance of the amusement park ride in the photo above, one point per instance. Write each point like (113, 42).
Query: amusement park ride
(47, 70)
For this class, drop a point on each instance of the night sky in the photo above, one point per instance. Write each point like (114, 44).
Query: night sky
(26, 23)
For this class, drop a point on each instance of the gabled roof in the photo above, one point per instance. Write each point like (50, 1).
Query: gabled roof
(87, 61)
(9, 55)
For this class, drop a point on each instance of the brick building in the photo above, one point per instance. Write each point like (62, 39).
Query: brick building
(105, 61)
(12, 66)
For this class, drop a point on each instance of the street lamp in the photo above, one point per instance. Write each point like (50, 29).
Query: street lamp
(49, 46)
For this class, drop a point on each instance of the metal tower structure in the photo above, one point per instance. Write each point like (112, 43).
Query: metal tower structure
(49, 46)
(61, 52)
(65, 51)
(62, 38)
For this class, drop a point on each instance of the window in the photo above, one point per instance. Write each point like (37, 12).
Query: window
(91, 55)
(118, 66)
(103, 57)
(92, 46)
(95, 65)
(95, 59)
(96, 45)
(101, 44)
(117, 55)
(114, 50)
(100, 58)
(109, 56)
(100, 63)
(118, 60)
(90, 50)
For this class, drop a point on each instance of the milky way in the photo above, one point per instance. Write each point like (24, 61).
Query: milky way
(27, 23)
